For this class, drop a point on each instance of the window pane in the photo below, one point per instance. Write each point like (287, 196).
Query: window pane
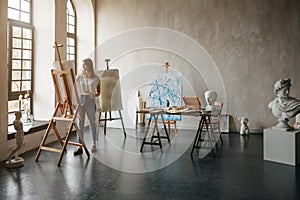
(16, 64)
(13, 105)
(71, 29)
(16, 31)
(19, 10)
(15, 86)
(71, 41)
(27, 33)
(16, 53)
(16, 75)
(27, 44)
(14, 4)
(25, 6)
(12, 14)
(71, 50)
(26, 64)
(17, 43)
(26, 85)
(26, 75)
(25, 17)
(71, 20)
(72, 57)
(70, 8)
(26, 54)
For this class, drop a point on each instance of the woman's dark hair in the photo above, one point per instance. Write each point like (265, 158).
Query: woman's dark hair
(89, 63)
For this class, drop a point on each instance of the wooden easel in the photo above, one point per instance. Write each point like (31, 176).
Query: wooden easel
(110, 116)
(66, 110)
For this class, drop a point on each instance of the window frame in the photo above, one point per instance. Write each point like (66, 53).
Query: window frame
(70, 34)
(14, 95)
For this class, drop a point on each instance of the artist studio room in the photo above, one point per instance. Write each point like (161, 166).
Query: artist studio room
(150, 99)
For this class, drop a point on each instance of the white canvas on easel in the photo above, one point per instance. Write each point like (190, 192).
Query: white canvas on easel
(110, 92)
(67, 65)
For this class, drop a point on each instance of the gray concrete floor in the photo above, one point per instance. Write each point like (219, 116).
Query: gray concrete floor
(119, 171)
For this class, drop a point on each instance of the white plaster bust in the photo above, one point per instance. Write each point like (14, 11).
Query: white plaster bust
(210, 98)
(283, 106)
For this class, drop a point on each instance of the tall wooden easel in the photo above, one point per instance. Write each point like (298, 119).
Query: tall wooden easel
(66, 110)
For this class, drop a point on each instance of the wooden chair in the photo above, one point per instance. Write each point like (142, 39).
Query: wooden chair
(192, 102)
(215, 119)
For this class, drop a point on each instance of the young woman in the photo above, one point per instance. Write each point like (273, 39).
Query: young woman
(88, 85)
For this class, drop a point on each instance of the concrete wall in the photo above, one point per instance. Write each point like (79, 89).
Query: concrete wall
(252, 42)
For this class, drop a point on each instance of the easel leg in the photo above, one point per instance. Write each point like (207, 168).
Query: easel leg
(44, 140)
(82, 140)
(167, 133)
(57, 135)
(122, 123)
(198, 135)
(63, 148)
(105, 119)
(156, 127)
(144, 140)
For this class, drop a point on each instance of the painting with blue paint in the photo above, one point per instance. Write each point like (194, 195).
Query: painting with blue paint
(165, 91)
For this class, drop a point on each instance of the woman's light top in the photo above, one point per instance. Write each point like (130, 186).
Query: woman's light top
(87, 85)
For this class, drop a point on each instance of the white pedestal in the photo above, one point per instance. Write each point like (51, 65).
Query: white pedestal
(282, 146)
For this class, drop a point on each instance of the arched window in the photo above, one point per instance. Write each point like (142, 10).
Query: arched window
(20, 43)
(71, 32)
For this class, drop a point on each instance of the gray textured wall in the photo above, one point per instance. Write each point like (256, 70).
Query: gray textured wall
(253, 43)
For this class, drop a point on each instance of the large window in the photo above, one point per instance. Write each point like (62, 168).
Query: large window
(20, 44)
(71, 32)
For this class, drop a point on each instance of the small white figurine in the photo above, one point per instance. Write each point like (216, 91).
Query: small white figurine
(210, 97)
(244, 126)
(17, 161)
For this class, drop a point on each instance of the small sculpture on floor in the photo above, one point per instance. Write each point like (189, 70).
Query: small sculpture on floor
(283, 106)
(16, 161)
(210, 97)
(244, 130)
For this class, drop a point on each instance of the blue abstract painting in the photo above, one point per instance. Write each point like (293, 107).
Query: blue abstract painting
(165, 91)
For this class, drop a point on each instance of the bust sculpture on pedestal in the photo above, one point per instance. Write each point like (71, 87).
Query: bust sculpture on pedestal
(283, 106)
(16, 161)
(210, 98)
